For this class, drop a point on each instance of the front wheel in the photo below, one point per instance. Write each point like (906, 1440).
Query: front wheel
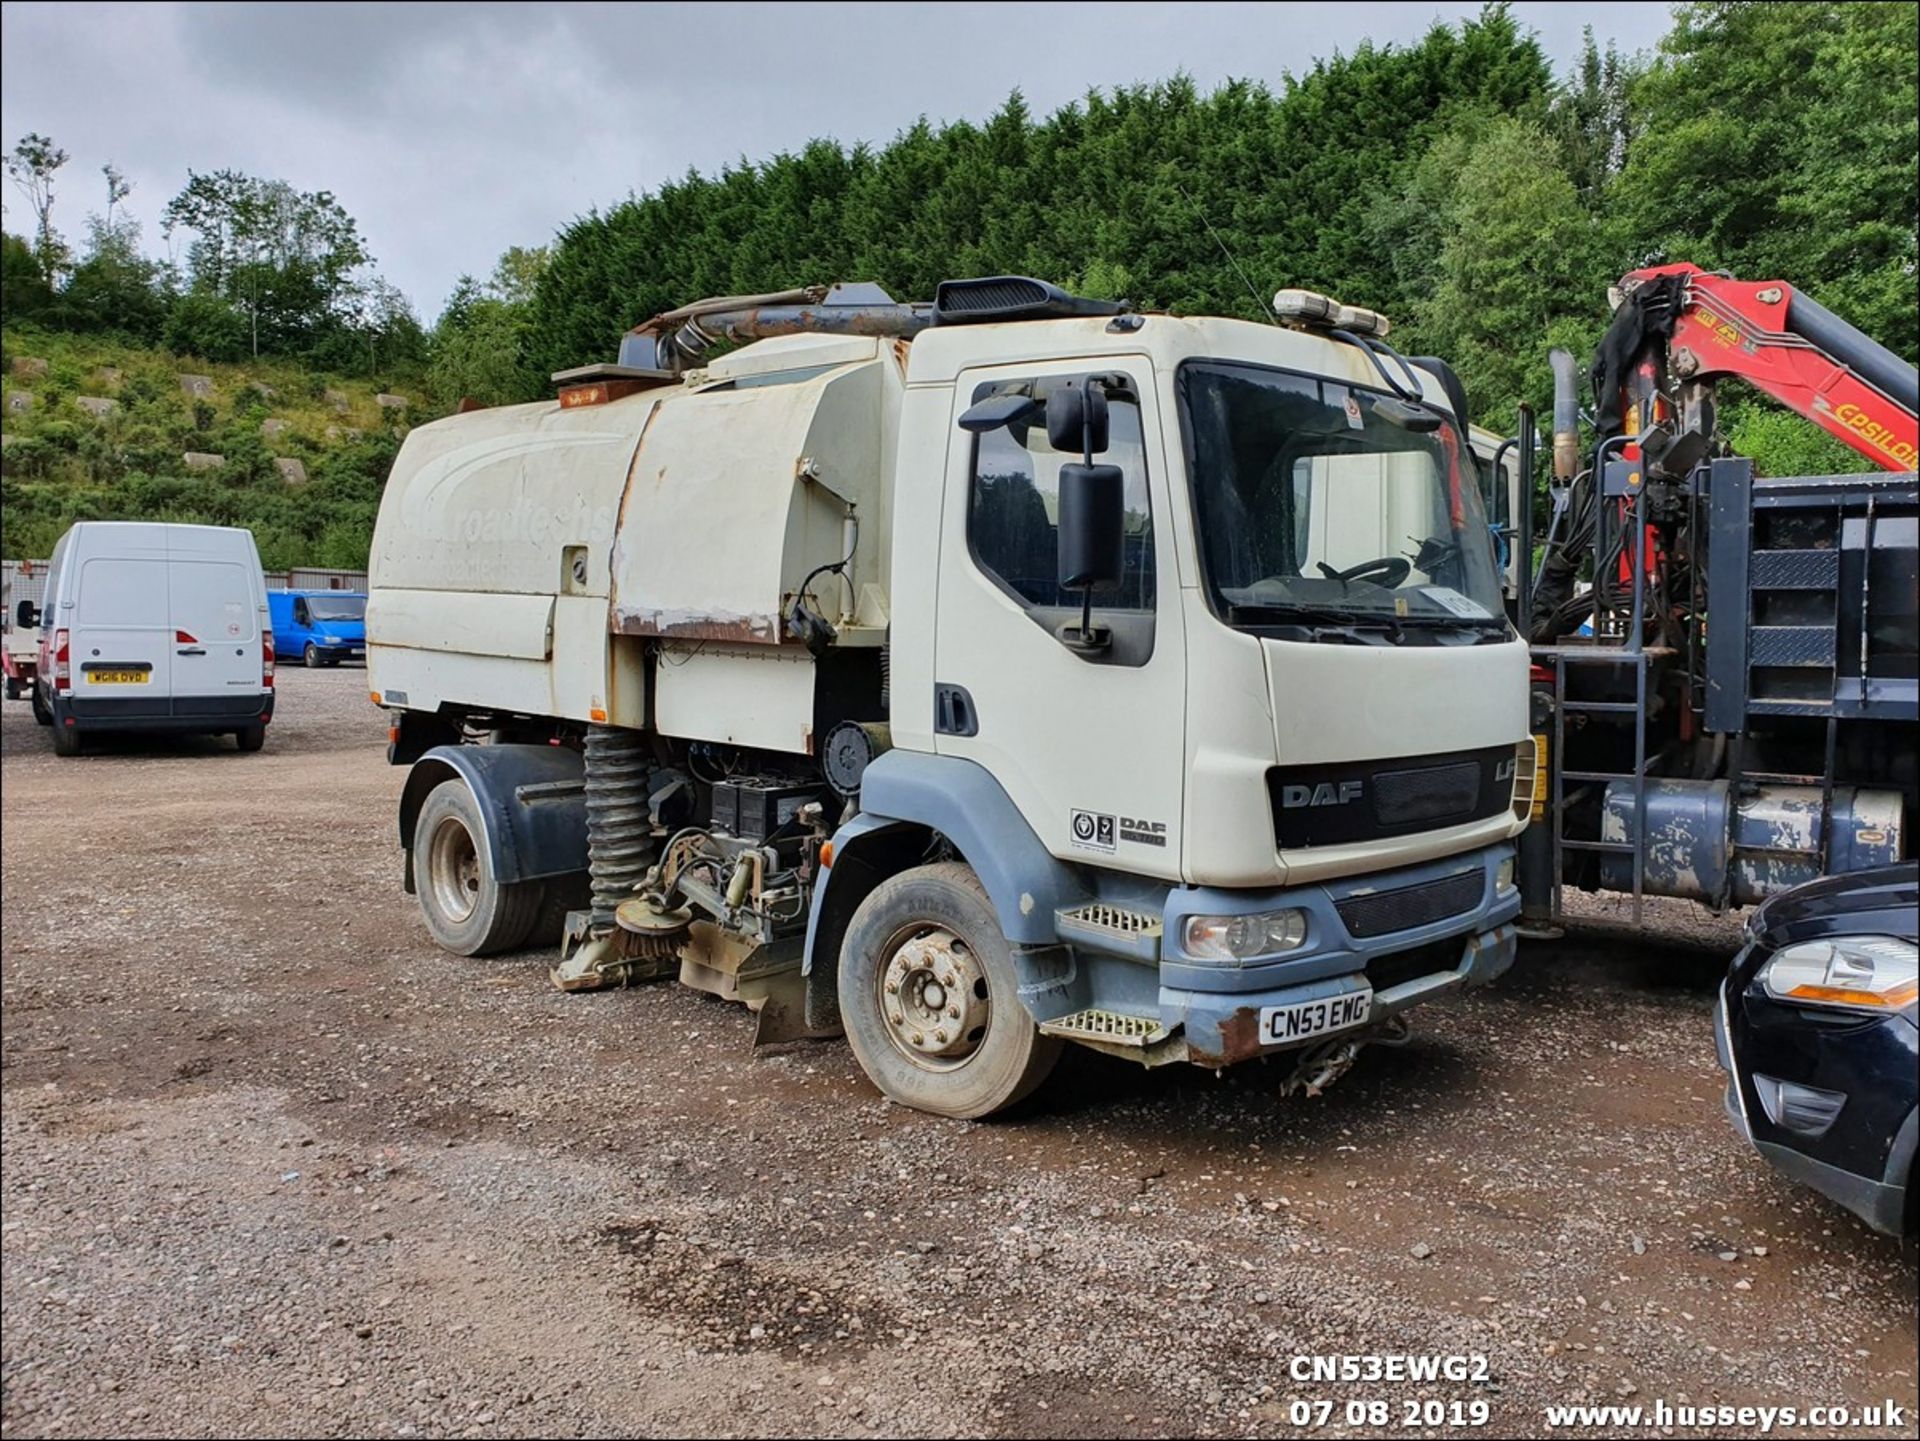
(929, 997)
(311, 656)
(467, 909)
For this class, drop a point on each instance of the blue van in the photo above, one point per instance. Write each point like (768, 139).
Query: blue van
(321, 627)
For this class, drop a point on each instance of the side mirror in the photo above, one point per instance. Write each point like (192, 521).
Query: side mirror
(997, 411)
(1092, 543)
(1077, 419)
(1419, 419)
(26, 615)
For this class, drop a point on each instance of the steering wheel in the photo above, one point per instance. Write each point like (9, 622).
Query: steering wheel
(1392, 569)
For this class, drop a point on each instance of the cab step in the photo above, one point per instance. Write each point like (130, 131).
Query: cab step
(1102, 926)
(1111, 1028)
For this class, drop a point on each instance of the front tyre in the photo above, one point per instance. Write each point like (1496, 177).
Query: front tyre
(467, 909)
(930, 1000)
(311, 657)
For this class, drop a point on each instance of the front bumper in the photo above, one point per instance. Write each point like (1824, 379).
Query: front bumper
(1862, 1160)
(1219, 1005)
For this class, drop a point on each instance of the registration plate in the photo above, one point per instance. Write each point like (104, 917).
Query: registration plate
(119, 677)
(1280, 1025)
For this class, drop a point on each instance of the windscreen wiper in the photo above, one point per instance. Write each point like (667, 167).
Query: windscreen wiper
(1343, 622)
(1288, 614)
(1451, 622)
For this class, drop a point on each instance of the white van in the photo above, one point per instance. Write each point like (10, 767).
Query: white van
(155, 628)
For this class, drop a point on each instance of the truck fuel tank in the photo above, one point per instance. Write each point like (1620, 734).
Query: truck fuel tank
(1704, 843)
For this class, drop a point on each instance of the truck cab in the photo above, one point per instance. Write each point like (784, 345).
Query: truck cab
(1063, 676)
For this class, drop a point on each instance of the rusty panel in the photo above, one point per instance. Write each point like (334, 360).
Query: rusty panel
(683, 625)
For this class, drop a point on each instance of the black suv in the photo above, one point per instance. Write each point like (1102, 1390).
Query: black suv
(1816, 1030)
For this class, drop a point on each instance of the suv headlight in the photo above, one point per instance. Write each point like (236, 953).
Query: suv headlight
(1856, 973)
(1241, 938)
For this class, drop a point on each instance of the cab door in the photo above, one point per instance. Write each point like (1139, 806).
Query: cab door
(1088, 744)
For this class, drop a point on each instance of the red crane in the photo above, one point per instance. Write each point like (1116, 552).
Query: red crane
(1779, 341)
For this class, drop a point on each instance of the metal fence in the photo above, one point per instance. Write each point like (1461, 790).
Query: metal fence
(27, 580)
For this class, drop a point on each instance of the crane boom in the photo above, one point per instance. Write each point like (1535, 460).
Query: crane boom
(1789, 346)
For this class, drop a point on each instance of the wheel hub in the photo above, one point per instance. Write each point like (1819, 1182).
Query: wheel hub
(934, 996)
(453, 866)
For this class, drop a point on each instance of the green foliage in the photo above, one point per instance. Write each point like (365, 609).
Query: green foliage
(206, 326)
(63, 464)
(31, 166)
(1778, 141)
(1491, 239)
(284, 257)
(1781, 443)
(480, 346)
(24, 292)
(1148, 186)
(115, 288)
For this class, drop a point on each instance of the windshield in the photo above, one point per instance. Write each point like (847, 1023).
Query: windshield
(337, 607)
(1313, 507)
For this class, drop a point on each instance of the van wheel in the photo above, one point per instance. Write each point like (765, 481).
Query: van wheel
(66, 741)
(251, 738)
(930, 1000)
(311, 656)
(13, 689)
(467, 910)
(41, 712)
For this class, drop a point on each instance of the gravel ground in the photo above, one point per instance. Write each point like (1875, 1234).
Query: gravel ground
(275, 1165)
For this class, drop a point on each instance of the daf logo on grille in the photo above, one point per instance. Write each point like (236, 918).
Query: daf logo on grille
(1327, 793)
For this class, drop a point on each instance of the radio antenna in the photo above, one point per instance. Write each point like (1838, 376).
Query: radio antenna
(1260, 307)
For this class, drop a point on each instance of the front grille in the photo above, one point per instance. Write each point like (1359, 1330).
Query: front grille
(1433, 793)
(1341, 802)
(1385, 912)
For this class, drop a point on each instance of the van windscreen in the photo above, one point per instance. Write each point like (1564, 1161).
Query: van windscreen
(337, 607)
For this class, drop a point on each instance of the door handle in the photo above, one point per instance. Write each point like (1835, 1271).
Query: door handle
(191, 650)
(953, 712)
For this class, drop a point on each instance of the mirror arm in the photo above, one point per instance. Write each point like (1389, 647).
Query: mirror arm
(1083, 639)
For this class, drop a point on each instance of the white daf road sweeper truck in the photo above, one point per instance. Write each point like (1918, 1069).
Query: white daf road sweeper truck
(971, 678)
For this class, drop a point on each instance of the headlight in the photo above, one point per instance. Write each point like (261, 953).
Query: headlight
(1240, 938)
(1861, 973)
(1503, 875)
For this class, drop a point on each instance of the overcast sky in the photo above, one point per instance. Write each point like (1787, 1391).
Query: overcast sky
(451, 131)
